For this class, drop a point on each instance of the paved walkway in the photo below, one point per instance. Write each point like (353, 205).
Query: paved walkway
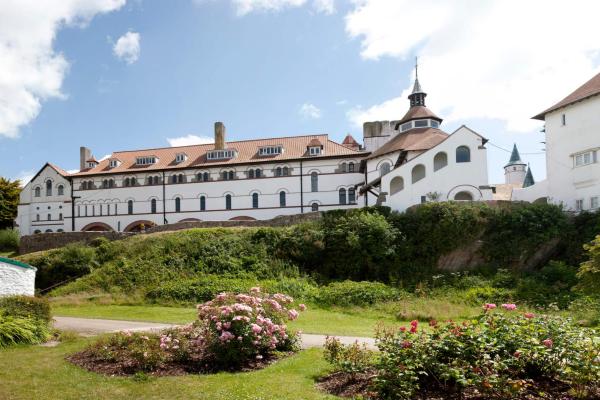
(91, 326)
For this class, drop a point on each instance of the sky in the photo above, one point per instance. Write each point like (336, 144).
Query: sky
(129, 74)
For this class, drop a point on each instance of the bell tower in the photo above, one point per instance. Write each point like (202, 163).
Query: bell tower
(515, 170)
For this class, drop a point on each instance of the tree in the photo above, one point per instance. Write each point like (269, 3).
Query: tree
(9, 200)
(589, 272)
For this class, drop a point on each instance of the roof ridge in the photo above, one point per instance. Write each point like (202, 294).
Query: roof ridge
(212, 144)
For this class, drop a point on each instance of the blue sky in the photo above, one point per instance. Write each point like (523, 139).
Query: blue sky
(265, 68)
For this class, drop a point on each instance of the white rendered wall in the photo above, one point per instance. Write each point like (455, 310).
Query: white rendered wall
(30, 206)
(566, 183)
(330, 180)
(15, 280)
(515, 174)
(447, 181)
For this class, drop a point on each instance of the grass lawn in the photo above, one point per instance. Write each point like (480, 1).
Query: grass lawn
(350, 321)
(9, 254)
(34, 372)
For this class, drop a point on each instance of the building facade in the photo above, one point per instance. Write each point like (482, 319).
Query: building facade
(572, 151)
(403, 162)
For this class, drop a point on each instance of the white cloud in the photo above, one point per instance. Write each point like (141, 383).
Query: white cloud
(324, 6)
(127, 47)
(31, 71)
(243, 7)
(504, 60)
(189, 140)
(25, 177)
(308, 110)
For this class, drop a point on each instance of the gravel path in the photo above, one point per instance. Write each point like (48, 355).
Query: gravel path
(92, 326)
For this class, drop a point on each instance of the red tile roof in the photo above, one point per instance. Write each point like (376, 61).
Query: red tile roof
(412, 140)
(247, 152)
(588, 89)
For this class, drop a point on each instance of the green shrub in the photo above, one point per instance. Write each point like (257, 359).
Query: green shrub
(199, 289)
(26, 307)
(551, 285)
(352, 359)
(350, 293)
(500, 354)
(487, 294)
(9, 240)
(16, 330)
(589, 272)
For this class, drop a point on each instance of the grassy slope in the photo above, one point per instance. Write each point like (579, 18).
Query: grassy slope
(36, 372)
(9, 254)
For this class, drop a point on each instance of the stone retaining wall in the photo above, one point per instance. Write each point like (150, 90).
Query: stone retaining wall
(46, 241)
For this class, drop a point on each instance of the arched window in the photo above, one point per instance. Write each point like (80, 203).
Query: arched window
(61, 190)
(351, 196)
(37, 231)
(440, 161)
(48, 230)
(463, 154)
(49, 217)
(130, 207)
(344, 167)
(418, 173)
(231, 175)
(37, 217)
(126, 182)
(258, 173)
(228, 202)
(314, 181)
(384, 168)
(314, 207)
(396, 184)
(60, 217)
(48, 187)
(149, 181)
(59, 230)
(202, 203)
(342, 193)
(177, 204)
(180, 178)
(254, 200)
(153, 206)
(286, 171)
(133, 181)
(278, 171)
(350, 167)
(251, 174)
(173, 178)
(111, 183)
(38, 191)
(282, 199)
(463, 196)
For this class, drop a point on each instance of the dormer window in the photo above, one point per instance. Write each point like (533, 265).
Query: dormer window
(220, 154)
(314, 150)
(270, 150)
(114, 163)
(406, 126)
(421, 123)
(91, 164)
(180, 157)
(146, 160)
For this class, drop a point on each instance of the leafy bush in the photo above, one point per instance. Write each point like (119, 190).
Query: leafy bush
(232, 331)
(16, 330)
(350, 293)
(9, 240)
(551, 285)
(26, 307)
(352, 359)
(56, 266)
(589, 272)
(498, 355)
(243, 327)
(487, 294)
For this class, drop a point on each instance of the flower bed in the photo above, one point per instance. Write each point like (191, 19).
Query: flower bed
(232, 333)
(501, 354)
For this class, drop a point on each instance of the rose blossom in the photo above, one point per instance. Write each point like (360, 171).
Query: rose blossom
(302, 307)
(548, 343)
(529, 315)
(489, 306)
(509, 307)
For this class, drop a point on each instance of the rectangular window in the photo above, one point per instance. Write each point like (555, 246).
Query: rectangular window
(145, 160)
(406, 126)
(220, 154)
(420, 123)
(270, 150)
(588, 157)
(181, 157)
(434, 124)
(579, 204)
(113, 163)
(594, 202)
(563, 120)
(314, 151)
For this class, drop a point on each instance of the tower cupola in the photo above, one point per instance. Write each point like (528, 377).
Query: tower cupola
(515, 170)
(417, 97)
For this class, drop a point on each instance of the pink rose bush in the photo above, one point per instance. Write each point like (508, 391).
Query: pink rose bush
(246, 327)
(232, 331)
(498, 355)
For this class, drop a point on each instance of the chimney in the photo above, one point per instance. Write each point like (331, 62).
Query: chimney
(84, 155)
(219, 136)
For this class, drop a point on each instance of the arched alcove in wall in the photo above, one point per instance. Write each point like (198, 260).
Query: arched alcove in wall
(97, 227)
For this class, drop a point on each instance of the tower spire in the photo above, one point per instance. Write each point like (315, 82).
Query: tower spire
(417, 97)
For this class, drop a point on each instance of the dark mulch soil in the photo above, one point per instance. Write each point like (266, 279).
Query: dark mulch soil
(125, 367)
(358, 385)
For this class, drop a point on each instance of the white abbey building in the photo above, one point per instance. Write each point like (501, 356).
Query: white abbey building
(572, 129)
(402, 163)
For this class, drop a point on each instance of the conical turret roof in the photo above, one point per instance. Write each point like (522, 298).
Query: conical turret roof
(515, 157)
(529, 181)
